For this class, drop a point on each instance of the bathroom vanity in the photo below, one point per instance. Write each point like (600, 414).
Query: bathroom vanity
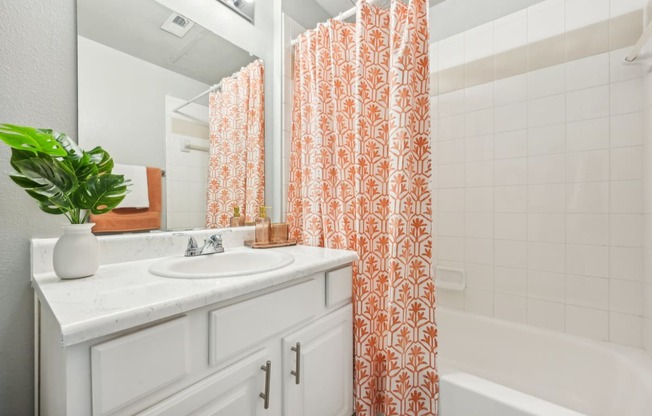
(127, 342)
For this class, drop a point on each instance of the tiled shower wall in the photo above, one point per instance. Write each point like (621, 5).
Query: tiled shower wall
(538, 128)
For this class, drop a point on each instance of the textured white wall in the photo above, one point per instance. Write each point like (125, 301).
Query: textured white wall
(38, 84)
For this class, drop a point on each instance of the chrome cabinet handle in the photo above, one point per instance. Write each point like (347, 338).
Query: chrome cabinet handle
(297, 371)
(267, 368)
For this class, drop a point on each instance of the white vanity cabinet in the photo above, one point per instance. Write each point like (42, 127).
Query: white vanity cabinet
(237, 357)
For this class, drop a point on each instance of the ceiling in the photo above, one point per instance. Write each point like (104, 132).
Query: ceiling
(133, 27)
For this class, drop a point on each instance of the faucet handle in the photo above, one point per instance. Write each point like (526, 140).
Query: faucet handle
(216, 239)
(192, 247)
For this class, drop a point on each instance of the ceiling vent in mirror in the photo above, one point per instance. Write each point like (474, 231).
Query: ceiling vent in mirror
(177, 25)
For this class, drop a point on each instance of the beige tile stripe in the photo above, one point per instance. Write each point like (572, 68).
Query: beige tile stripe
(595, 39)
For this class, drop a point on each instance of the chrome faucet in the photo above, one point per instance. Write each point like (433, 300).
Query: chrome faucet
(214, 243)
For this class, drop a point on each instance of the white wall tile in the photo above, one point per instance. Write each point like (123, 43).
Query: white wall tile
(547, 169)
(549, 198)
(510, 280)
(626, 230)
(511, 117)
(547, 81)
(627, 163)
(479, 301)
(587, 198)
(510, 172)
(479, 123)
(592, 229)
(547, 228)
(450, 151)
(479, 173)
(479, 251)
(587, 260)
(587, 166)
(510, 199)
(546, 315)
(626, 296)
(627, 130)
(450, 224)
(450, 176)
(451, 51)
(510, 226)
(585, 322)
(582, 13)
(546, 257)
(451, 299)
(546, 19)
(451, 103)
(479, 42)
(626, 197)
(510, 144)
(511, 254)
(450, 200)
(546, 286)
(479, 225)
(510, 307)
(547, 110)
(626, 263)
(626, 329)
(585, 135)
(587, 103)
(588, 72)
(450, 248)
(510, 90)
(450, 127)
(621, 7)
(547, 140)
(479, 97)
(479, 148)
(510, 31)
(479, 199)
(479, 276)
(626, 97)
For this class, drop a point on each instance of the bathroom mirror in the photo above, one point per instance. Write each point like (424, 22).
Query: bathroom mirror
(138, 63)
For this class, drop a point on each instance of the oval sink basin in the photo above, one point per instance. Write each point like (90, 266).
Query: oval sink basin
(227, 264)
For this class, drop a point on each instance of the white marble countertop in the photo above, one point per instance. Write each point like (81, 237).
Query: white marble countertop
(125, 295)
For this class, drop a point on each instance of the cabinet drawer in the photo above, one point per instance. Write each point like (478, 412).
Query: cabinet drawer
(237, 327)
(131, 367)
(339, 286)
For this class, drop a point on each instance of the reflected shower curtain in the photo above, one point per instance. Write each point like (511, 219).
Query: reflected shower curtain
(359, 179)
(236, 164)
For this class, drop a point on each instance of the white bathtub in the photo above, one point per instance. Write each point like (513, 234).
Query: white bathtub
(490, 367)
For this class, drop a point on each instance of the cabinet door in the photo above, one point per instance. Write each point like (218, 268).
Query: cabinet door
(325, 363)
(234, 390)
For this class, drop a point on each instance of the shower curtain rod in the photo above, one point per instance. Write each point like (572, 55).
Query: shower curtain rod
(341, 16)
(192, 100)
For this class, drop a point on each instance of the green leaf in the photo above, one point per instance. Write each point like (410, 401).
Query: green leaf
(100, 194)
(53, 178)
(73, 151)
(102, 159)
(31, 139)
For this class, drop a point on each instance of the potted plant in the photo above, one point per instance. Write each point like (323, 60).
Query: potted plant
(65, 180)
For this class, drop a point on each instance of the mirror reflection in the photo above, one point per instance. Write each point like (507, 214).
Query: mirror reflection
(180, 109)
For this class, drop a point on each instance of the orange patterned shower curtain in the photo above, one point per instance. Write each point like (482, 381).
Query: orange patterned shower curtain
(236, 167)
(359, 179)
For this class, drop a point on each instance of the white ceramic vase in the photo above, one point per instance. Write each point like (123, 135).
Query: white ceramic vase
(77, 252)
